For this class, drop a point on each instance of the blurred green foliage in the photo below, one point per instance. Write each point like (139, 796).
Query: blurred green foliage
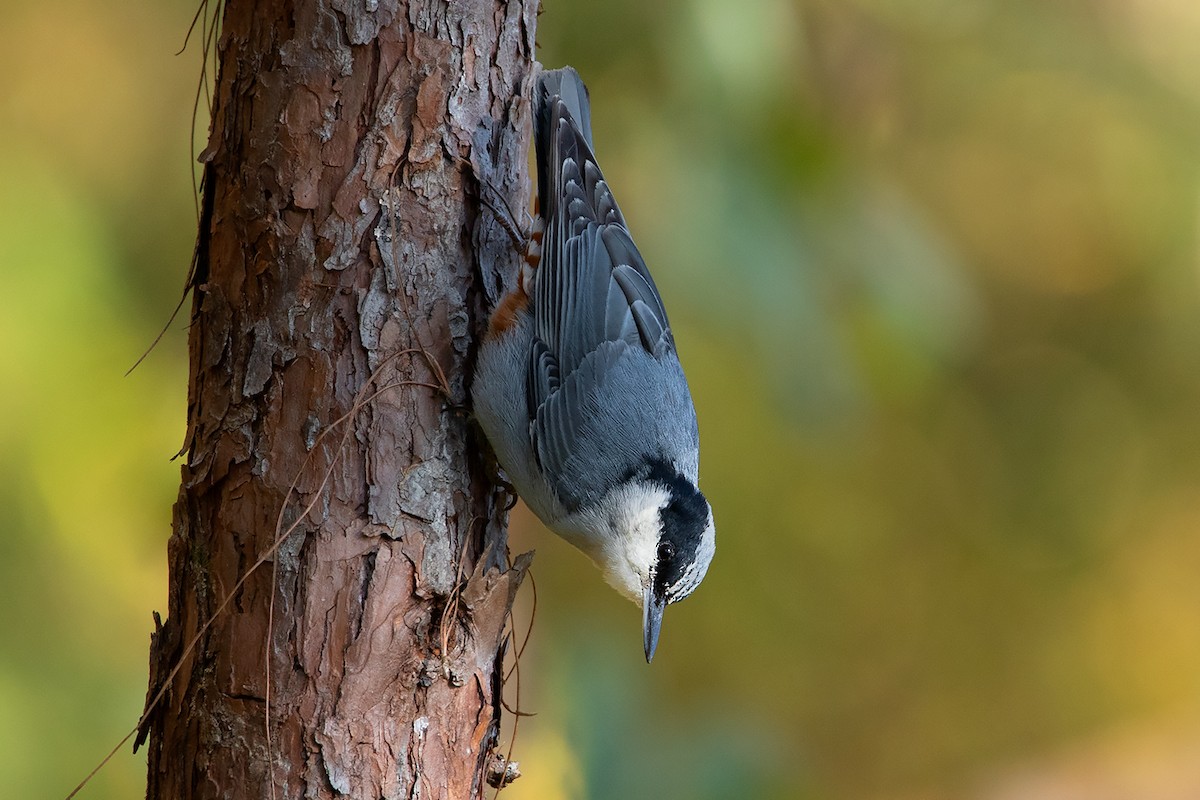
(933, 269)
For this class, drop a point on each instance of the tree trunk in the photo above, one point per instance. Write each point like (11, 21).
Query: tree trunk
(344, 267)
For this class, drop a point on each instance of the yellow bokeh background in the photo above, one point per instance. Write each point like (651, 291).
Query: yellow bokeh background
(933, 270)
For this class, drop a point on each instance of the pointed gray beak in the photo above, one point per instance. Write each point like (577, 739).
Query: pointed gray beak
(652, 614)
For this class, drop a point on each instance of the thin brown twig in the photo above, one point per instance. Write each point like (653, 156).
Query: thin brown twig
(450, 610)
(209, 28)
(191, 27)
(516, 669)
(532, 616)
(512, 740)
(508, 219)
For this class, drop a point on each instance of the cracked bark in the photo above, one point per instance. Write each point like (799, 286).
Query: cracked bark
(341, 226)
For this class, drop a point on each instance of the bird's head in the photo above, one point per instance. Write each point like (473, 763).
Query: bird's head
(656, 541)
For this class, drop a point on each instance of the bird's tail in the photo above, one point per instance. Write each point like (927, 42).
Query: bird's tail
(564, 83)
(559, 92)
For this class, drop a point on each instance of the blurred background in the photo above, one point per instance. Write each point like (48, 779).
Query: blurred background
(933, 270)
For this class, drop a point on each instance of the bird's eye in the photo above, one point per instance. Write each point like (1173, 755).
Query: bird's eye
(666, 552)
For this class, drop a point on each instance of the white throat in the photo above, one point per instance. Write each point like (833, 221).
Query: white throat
(621, 533)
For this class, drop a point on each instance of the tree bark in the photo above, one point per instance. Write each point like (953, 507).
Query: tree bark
(342, 238)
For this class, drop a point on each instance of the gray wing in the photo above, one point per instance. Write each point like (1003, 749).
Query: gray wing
(606, 391)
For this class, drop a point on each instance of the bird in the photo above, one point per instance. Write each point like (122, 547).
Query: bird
(578, 386)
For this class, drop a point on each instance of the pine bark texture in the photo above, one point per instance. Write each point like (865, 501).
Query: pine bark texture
(342, 232)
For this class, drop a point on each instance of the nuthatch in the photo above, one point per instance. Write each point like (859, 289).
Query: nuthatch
(579, 388)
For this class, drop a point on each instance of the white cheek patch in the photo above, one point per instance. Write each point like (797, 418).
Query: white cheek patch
(625, 527)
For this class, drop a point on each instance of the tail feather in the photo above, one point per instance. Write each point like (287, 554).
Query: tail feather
(566, 84)
(558, 91)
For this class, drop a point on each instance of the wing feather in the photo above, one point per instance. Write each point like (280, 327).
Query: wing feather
(601, 331)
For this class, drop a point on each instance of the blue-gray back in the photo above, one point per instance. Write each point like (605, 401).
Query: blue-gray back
(606, 391)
